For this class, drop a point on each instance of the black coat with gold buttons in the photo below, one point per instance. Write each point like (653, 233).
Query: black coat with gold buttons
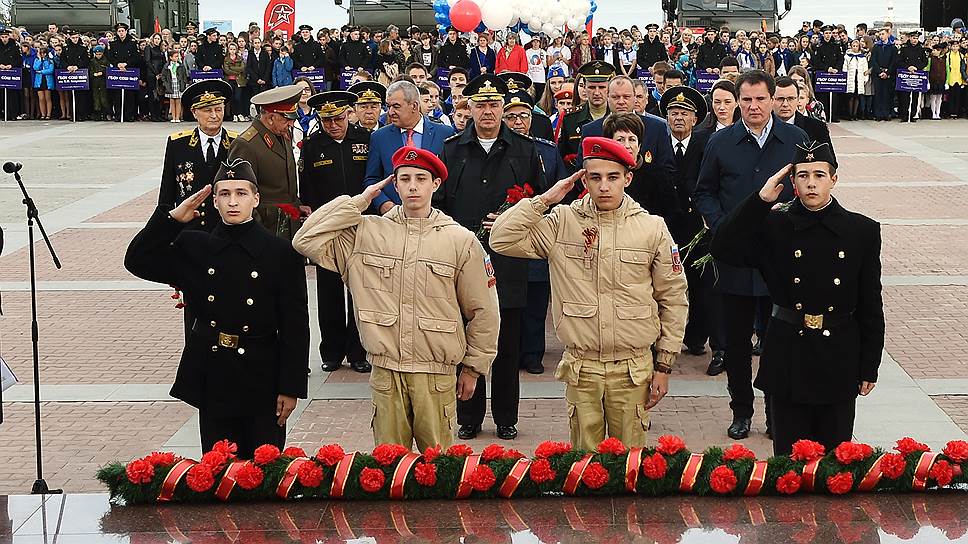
(824, 263)
(247, 289)
(186, 172)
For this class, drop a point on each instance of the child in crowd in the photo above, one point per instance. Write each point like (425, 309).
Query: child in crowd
(174, 79)
(282, 69)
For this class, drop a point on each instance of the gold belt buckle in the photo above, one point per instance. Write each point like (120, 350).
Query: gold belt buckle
(230, 341)
(813, 321)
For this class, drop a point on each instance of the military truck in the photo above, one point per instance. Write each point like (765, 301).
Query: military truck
(735, 14)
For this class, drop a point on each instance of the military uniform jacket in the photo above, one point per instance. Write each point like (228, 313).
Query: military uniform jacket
(477, 185)
(275, 167)
(818, 263)
(124, 52)
(329, 168)
(827, 55)
(239, 280)
(912, 55)
(186, 172)
(570, 139)
(209, 54)
(306, 54)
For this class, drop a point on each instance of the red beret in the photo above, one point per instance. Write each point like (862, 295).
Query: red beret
(419, 158)
(596, 147)
(565, 94)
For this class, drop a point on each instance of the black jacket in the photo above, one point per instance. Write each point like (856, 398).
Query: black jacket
(650, 53)
(209, 54)
(258, 65)
(827, 55)
(72, 55)
(687, 173)
(884, 59)
(185, 173)
(10, 54)
(242, 281)
(652, 188)
(477, 185)
(354, 54)
(453, 54)
(154, 61)
(306, 54)
(710, 55)
(816, 129)
(328, 169)
(818, 263)
(912, 55)
(125, 52)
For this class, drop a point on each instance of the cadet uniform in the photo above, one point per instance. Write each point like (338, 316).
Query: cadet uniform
(424, 302)
(827, 331)
(369, 92)
(569, 136)
(272, 160)
(328, 169)
(617, 289)
(307, 54)
(250, 342)
(124, 52)
(916, 55)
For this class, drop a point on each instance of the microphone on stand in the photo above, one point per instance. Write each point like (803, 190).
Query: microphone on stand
(12, 167)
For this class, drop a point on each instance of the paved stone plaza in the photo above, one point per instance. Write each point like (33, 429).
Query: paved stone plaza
(110, 343)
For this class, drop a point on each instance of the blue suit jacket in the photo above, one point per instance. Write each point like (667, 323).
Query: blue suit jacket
(733, 168)
(384, 142)
(656, 140)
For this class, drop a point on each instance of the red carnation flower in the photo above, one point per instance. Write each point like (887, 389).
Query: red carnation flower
(140, 471)
(387, 454)
(541, 471)
(309, 474)
(482, 478)
(162, 459)
(611, 445)
(722, 480)
(512, 454)
(290, 210)
(226, 447)
(492, 452)
(956, 450)
(738, 451)
(330, 454)
(431, 453)
(670, 445)
(372, 479)
(215, 460)
(294, 451)
(265, 454)
(893, 465)
(850, 452)
(941, 472)
(200, 478)
(594, 476)
(908, 445)
(840, 483)
(807, 450)
(654, 466)
(460, 450)
(425, 474)
(249, 476)
(789, 483)
(549, 449)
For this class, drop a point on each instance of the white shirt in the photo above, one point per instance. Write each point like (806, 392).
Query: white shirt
(791, 120)
(536, 64)
(418, 128)
(685, 143)
(487, 144)
(761, 138)
(217, 139)
(720, 126)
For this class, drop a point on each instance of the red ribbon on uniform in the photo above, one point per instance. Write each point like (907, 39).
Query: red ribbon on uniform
(514, 478)
(810, 475)
(400, 474)
(470, 465)
(632, 464)
(690, 473)
(340, 475)
(227, 483)
(872, 477)
(289, 478)
(920, 482)
(757, 477)
(174, 476)
(574, 474)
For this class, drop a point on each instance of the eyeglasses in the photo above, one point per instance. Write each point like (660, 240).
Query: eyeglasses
(512, 117)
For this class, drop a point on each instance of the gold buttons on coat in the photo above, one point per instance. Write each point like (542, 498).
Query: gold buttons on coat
(841, 254)
(249, 301)
(796, 280)
(212, 323)
(797, 253)
(211, 298)
(211, 271)
(254, 274)
(241, 351)
(799, 306)
(836, 281)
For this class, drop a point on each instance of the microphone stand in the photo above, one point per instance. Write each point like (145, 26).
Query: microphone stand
(40, 485)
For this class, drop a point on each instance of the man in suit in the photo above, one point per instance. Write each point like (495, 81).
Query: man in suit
(407, 127)
(738, 161)
(883, 64)
(785, 107)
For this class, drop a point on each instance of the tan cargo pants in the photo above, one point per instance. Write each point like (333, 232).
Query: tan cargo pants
(606, 399)
(410, 406)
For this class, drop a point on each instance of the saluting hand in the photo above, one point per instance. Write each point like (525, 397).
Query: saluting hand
(188, 209)
(371, 191)
(561, 189)
(773, 187)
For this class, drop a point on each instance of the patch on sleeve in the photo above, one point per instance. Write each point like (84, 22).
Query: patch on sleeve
(489, 270)
(676, 260)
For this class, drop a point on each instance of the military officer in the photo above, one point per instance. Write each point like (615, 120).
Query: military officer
(617, 290)
(596, 75)
(307, 53)
(822, 266)
(540, 123)
(333, 163)
(266, 146)
(485, 160)
(424, 299)
(370, 98)
(246, 360)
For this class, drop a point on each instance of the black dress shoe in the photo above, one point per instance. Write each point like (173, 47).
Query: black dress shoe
(507, 432)
(468, 432)
(696, 350)
(758, 347)
(717, 365)
(535, 367)
(331, 366)
(740, 428)
(362, 367)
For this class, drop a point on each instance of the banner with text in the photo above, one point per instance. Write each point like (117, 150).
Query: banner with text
(916, 81)
(645, 76)
(317, 76)
(443, 78)
(830, 82)
(705, 81)
(202, 75)
(72, 81)
(123, 79)
(10, 79)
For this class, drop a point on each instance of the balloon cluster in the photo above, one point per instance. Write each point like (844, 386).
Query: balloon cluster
(528, 16)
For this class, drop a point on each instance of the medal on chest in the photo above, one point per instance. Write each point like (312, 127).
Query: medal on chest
(185, 178)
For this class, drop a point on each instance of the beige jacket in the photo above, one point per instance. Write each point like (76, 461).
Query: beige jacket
(615, 290)
(415, 283)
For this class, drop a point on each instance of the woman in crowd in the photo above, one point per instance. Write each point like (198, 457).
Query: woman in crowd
(858, 72)
(582, 54)
(724, 111)
(956, 79)
(426, 53)
(307, 123)
(814, 107)
(258, 67)
(43, 70)
(537, 60)
(154, 65)
(763, 60)
(405, 56)
(234, 69)
(511, 57)
(625, 59)
(386, 63)
(483, 58)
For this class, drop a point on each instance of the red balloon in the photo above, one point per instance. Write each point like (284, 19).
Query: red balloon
(465, 15)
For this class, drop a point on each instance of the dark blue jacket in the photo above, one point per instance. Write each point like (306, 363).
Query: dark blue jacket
(656, 140)
(490, 59)
(734, 167)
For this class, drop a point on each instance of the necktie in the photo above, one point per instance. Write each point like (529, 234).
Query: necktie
(210, 152)
(410, 137)
(680, 151)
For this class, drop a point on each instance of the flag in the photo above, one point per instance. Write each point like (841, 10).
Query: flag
(280, 15)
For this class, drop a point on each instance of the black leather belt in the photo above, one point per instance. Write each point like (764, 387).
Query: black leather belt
(810, 321)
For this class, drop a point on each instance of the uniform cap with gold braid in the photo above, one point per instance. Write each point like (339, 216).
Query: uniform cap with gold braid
(597, 71)
(597, 147)
(281, 100)
(419, 158)
(235, 169)
(516, 81)
(369, 92)
(518, 98)
(685, 98)
(202, 94)
(485, 87)
(814, 152)
(331, 103)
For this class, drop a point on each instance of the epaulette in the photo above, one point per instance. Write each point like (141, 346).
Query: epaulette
(525, 136)
(231, 134)
(182, 134)
(453, 136)
(249, 133)
(542, 140)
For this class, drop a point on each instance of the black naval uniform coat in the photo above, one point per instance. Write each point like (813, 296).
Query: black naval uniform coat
(250, 340)
(328, 169)
(186, 172)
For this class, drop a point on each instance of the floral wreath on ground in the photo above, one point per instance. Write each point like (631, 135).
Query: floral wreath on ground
(392, 471)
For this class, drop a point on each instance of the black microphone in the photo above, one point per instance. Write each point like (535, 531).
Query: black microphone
(11, 167)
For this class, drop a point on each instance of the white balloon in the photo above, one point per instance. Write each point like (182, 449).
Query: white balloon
(496, 14)
(548, 28)
(534, 28)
